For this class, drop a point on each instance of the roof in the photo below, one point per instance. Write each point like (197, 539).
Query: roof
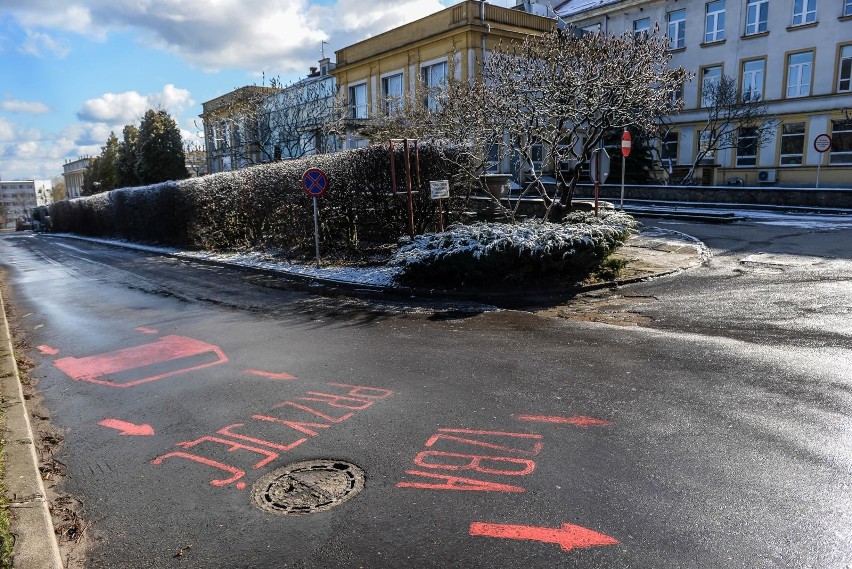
(573, 7)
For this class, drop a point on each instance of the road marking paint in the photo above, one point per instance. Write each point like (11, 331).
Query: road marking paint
(355, 397)
(47, 350)
(145, 330)
(168, 348)
(270, 375)
(578, 421)
(456, 483)
(568, 536)
(128, 429)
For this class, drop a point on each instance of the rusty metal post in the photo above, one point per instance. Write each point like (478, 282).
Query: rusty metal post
(408, 186)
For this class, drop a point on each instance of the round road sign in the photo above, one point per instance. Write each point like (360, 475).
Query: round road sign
(822, 143)
(626, 144)
(315, 182)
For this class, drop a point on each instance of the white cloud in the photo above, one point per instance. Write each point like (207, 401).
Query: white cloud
(41, 44)
(278, 37)
(128, 107)
(24, 107)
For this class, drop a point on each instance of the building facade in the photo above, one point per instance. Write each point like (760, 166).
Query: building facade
(388, 67)
(17, 200)
(73, 171)
(230, 124)
(793, 55)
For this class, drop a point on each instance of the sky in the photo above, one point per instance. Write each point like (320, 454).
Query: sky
(71, 71)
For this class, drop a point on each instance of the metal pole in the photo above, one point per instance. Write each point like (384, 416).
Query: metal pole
(393, 167)
(623, 162)
(440, 215)
(597, 177)
(410, 197)
(316, 231)
(819, 164)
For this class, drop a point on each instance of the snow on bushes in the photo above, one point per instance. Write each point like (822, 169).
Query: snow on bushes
(264, 206)
(500, 253)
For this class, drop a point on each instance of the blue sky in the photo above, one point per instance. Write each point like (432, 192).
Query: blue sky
(74, 70)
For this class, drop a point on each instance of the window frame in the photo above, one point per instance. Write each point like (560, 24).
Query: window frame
(679, 41)
(354, 106)
(750, 160)
(757, 20)
(839, 69)
(392, 103)
(782, 135)
(645, 28)
(762, 73)
(803, 13)
(788, 75)
(847, 9)
(669, 149)
(426, 68)
(718, 31)
(835, 145)
(701, 86)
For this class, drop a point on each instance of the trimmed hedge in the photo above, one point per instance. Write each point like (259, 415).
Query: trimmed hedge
(264, 206)
(498, 254)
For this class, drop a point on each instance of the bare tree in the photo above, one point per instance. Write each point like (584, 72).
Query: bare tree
(296, 121)
(734, 120)
(546, 102)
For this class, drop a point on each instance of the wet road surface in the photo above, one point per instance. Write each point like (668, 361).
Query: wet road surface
(709, 428)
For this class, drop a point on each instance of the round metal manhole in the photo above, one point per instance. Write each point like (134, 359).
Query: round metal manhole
(307, 487)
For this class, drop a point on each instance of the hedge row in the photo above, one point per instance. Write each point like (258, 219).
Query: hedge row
(264, 206)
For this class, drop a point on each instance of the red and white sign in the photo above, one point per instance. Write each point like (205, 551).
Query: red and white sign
(626, 144)
(822, 143)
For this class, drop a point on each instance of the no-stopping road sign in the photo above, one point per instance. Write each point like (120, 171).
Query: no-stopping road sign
(315, 182)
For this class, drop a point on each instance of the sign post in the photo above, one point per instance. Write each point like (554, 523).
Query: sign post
(440, 191)
(626, 144)
(822, 144)
(599, 167)
(315, 184)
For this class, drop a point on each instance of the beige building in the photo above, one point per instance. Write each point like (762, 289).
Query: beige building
(73, 171)
(388, 66)
(793, 55)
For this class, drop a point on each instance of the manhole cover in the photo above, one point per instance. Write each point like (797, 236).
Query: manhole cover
(308, 487)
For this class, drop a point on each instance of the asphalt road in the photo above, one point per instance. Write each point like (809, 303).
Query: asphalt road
(711, 428)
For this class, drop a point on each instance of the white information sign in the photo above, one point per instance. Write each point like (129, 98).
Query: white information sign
(440, 189)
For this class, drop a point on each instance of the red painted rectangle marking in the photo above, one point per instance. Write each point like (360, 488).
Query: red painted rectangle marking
(166, 349)
(270, 375)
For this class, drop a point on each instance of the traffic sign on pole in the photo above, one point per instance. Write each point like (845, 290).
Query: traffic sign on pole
(599, 166)
(822, 143)
(315, 182)
(626, 143)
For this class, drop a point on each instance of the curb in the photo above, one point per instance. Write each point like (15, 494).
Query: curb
(333, 287)
(32, 525)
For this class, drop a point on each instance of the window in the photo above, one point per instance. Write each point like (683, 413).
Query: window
(640, 26)
(668, 149)
(358, 101)
(799, 67)
(792, 143)
(847, 8)
(752, 80)
(844, 72)
(804, 12)
(757, 14)
(591, 29)
(710, 78)
(714, 21)
(677, 29)
(434, 77)
(704, 147)
(747, 147)
(392, 95)
(841, 142)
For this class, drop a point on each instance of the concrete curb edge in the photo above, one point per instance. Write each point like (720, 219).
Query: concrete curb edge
(32, 524)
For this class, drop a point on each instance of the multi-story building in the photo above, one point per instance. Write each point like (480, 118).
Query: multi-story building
(73, 171)
(793, 55)
(387, 67)
(17, 200)
(295, 118)
(231, 128)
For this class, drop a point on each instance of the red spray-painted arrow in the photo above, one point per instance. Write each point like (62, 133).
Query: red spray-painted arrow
(127, 428)
(568, 536)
